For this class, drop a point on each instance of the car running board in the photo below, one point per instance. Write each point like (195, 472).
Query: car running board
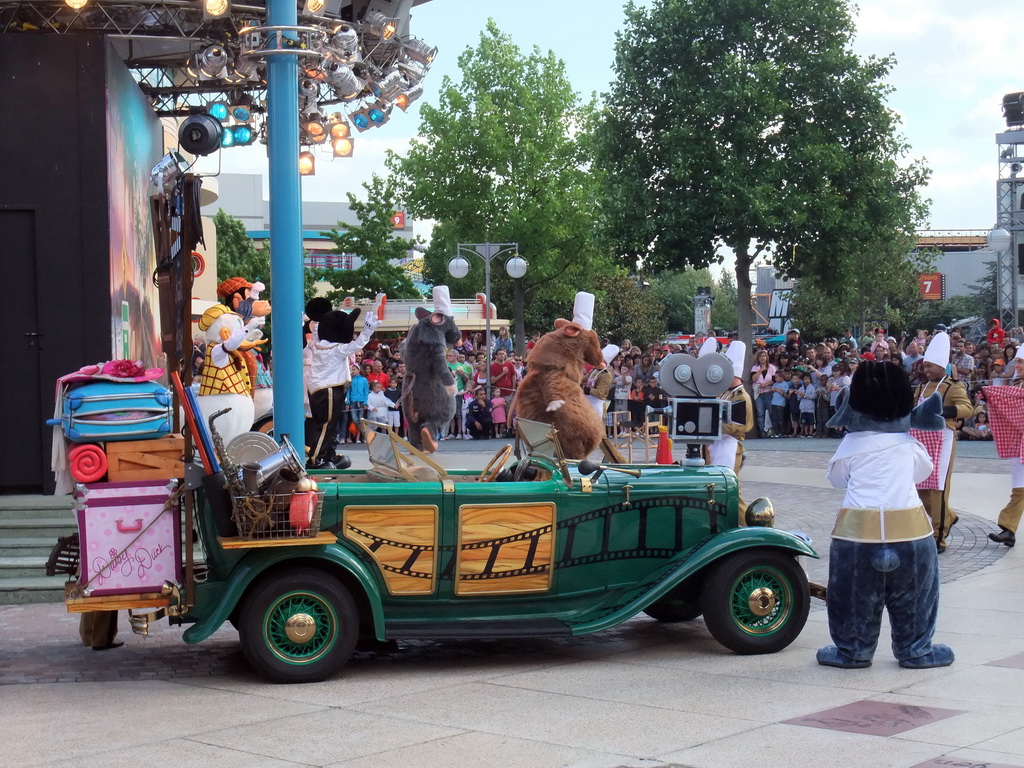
(475, 630)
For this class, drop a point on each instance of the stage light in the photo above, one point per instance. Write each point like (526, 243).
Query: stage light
(314, 7)
(377, 24)
(1013, 109)
(309, 93)
(242, 134)
(216, 9)
(339, 128)
(344, 81)
(343, 42)
(313, 124)
(418, 51)
(360, 120)
(211, 61)
(227, 138)
(379, 113)
(241, 110)
(391, 85)
(403, 100)
(200, 134)
(166, 173)
(343, 147)
(307, 164)
(76, 4)
(218, 110)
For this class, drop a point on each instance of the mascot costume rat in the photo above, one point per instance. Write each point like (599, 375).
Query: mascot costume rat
(225, 381)
(429, 393)
(551, 393)
(882, 554)
(330, 349)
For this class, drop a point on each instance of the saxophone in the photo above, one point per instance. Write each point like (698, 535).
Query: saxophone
(250, 513)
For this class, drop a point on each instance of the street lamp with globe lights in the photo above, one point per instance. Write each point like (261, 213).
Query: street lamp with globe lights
(516, 266)
(999, 240)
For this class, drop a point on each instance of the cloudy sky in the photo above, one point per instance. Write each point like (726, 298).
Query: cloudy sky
(954, 65)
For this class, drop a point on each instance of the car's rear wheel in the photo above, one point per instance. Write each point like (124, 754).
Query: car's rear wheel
(300, 626)
(681, 604)
(756, 601)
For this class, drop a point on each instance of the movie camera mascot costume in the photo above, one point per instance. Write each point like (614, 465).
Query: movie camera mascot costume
(598, 382)
(551, 393)
(225, 381)
(331, 346)
(243, 298)
(882, 555)
(429, 392)
(727, 451)
(941, 446)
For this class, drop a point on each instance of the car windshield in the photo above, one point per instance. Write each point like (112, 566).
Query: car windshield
(535, 438)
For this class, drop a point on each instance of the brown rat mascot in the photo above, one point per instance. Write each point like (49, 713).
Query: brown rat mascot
(551, 392)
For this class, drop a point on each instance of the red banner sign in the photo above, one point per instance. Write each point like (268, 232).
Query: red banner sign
(932, 286)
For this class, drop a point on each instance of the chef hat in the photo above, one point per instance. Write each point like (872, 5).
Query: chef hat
(583, 310)
(609, 353)
(938, 350)
(709, 347)
(442, 300)
(736, 351)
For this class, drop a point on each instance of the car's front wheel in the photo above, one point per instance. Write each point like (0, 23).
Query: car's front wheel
(756, 601)
(299, 626)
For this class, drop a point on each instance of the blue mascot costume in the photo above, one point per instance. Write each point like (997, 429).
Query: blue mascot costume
(882, 553)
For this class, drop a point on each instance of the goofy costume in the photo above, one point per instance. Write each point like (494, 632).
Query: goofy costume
(882, 555)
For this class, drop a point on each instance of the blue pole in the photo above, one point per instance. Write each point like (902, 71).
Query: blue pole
(285, 229)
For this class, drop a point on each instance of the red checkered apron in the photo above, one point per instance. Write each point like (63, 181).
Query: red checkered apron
(932, 442)
(1006, 415)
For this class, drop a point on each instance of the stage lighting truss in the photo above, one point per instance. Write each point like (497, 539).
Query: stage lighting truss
(363, 64)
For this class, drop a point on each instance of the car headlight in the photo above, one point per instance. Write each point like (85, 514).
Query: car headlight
(761, 513)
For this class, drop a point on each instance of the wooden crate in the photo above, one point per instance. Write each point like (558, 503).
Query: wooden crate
(134, 460)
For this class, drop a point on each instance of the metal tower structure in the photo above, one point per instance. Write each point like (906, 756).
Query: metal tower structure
(1010, 217)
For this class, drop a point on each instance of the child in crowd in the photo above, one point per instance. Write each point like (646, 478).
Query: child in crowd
(780, 389)
(378, 402)
(808, 400)
(393, 392)
(793, 403)
(355, 398)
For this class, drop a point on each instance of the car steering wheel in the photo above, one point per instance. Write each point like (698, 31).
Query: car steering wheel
(495, 465)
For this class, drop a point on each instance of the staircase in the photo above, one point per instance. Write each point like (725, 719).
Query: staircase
(29, 527)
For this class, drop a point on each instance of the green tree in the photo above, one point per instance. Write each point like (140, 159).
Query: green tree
(237, 255)
(884, 290)
(675, 289)
(751, 125)
(503, 158)
(373, 240)
(625, 309)
(725, 310)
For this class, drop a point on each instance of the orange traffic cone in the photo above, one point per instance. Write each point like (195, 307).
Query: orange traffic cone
(664, 455)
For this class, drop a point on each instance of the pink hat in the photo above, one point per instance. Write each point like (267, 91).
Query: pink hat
(121, 370)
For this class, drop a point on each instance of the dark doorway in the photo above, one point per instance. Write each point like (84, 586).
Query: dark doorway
(21, 416)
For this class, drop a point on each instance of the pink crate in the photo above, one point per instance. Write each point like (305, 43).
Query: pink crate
(129, 544)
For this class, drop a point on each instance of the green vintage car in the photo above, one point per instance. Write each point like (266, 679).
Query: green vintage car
(533, 546)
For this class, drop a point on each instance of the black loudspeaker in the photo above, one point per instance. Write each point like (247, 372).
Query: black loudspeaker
(1020, 259)
(200, 134)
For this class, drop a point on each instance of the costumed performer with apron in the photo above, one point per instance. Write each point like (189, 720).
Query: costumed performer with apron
(728, 450)
(1006, 415)
(598, 383)
(941, 446)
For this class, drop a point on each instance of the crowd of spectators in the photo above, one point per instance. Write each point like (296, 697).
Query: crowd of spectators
(794, 385)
